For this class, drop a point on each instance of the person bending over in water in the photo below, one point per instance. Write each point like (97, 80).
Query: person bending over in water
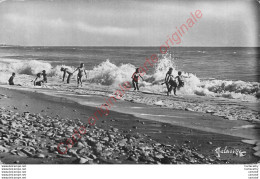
(44, 76)
(38, 81)
(170, 82)
(66, 70)
(11, 79)
(135, 78)
(80, 70)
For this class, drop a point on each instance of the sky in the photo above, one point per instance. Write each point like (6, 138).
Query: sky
(128, 22)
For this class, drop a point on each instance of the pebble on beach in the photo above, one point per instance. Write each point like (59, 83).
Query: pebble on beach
(30, 135)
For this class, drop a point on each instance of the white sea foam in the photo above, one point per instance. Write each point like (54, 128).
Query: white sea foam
(109, 74)
(26, 69)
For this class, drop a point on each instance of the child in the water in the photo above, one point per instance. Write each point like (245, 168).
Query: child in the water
(80, 70)
(170, 82)
(166, 78)
(135, 78)
(180, 79)
(11, 79)
(44, 76)
(66, 70)
(38, 81)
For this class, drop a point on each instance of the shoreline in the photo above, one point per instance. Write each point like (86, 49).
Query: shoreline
(185, 117)
(165, 133)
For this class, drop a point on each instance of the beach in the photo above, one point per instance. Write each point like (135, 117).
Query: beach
(190, 144)
(213, 119)
(133, 89)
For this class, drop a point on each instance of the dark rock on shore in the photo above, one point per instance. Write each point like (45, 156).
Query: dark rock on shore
(37, 136)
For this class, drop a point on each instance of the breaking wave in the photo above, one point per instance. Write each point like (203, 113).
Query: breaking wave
(26, 67)
(109, 74)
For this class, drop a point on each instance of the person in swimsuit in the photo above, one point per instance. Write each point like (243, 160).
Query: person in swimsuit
(38, 81)
(80, 70)
(66, 70)
(135, 78)
(167, 76)
(11, 79)
(170, 82)
(44, 76)
(180, 79)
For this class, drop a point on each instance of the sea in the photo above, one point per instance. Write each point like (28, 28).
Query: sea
(226, 72)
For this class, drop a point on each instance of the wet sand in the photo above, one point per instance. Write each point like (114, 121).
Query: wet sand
(159, 130)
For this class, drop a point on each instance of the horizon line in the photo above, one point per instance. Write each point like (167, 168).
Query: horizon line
(7, 45)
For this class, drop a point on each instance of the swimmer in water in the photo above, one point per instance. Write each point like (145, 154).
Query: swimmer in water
(11, 79)
(170, 82)
(180, 79)
(38, 81)
(135, 78)
(80, 70)
(166, 78)
(66, 71)
(44, 76)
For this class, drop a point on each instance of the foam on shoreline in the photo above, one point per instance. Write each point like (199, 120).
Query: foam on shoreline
(107, 74)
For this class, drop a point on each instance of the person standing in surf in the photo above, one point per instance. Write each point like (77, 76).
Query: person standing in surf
(166, 77)
(170, 82)
(80, 70)
(180, 79)
(11, 79)
(44, 74)
(135, 78)
(66, 70)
